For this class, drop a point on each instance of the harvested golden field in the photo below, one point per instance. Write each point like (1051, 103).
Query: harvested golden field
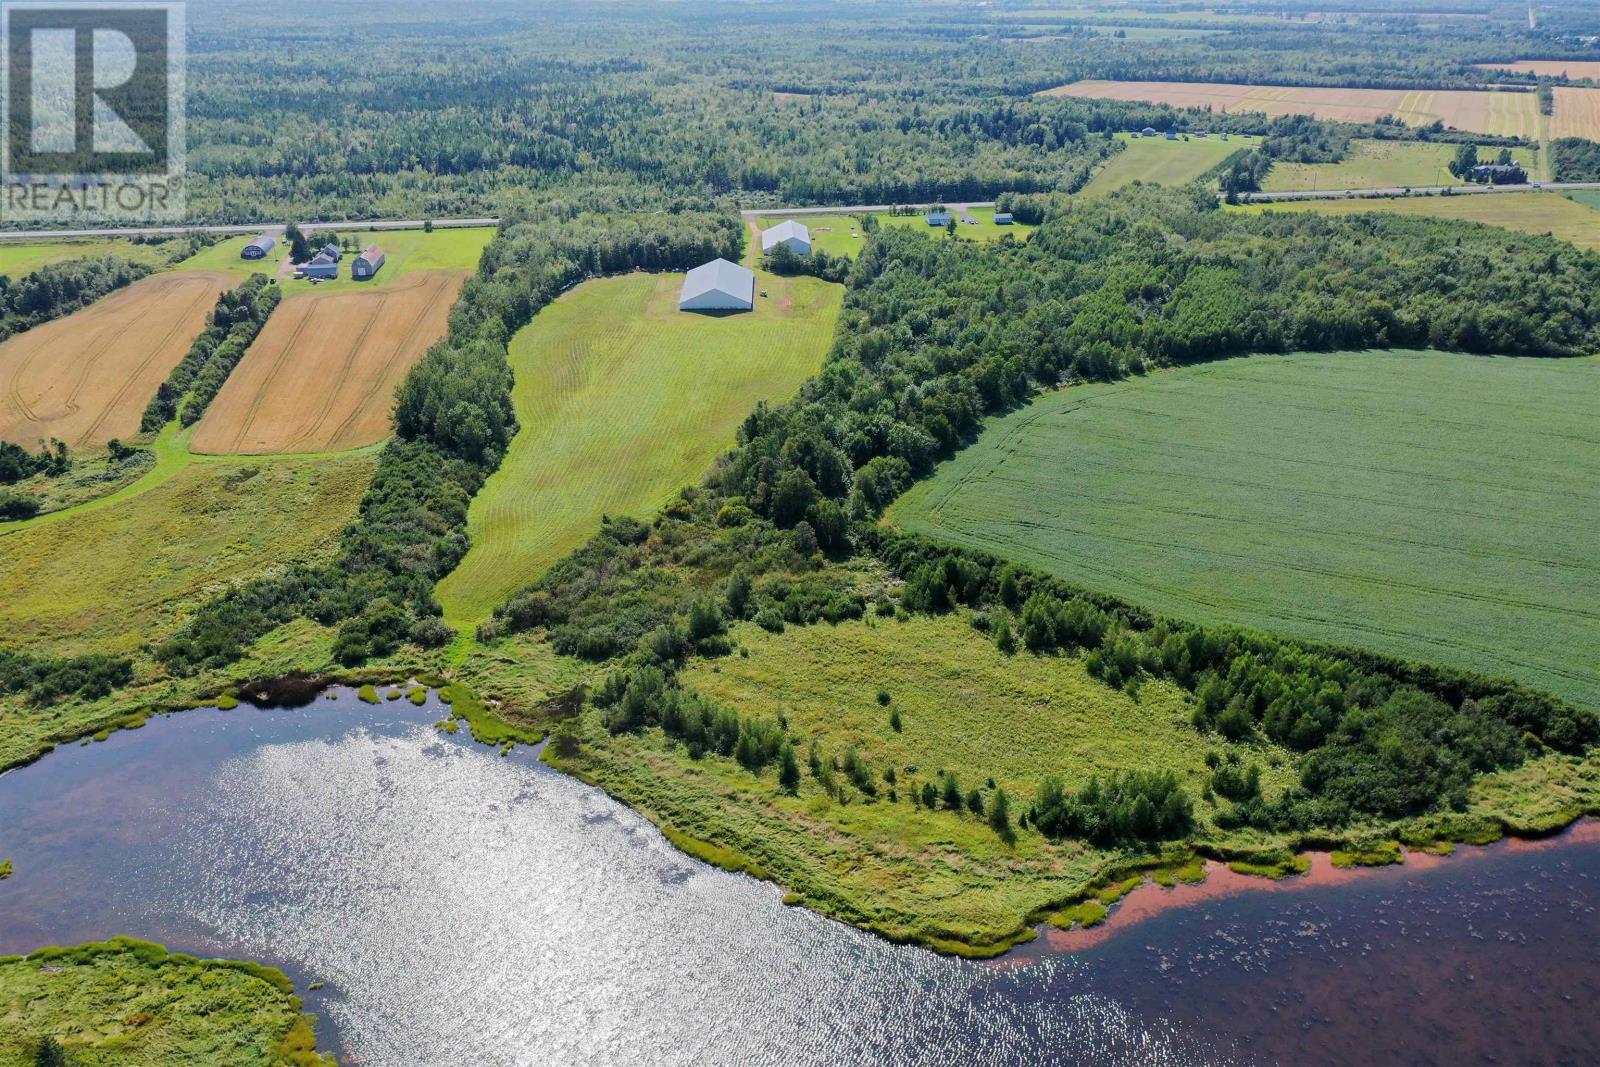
(1550, 68)
(322, 375)
(1577, 113)
(1480, 111)
(86, 378)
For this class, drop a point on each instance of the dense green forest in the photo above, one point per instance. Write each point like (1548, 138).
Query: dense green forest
(464, 113)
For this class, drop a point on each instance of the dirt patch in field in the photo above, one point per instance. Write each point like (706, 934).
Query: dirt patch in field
(1463, 110)
(322, 375)
(87, 378)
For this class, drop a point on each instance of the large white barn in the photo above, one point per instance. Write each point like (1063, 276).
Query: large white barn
(791, 234)
(718, 286)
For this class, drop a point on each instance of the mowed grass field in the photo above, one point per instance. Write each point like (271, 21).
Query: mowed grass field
(1434, 506)
(322, 375)
(1383, 165)
(24, 257)
(623, 400)
(1162, 162)
(1530, 212)
(87, 377)
(983, 229)
(107, 579)
(1482, 111)
(837, 235)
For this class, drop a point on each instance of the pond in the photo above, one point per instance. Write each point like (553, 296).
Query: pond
(465, 907)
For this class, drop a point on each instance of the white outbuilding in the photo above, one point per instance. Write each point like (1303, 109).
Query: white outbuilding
(718, 286)
(791, 234)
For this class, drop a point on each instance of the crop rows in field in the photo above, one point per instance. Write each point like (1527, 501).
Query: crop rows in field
(322, 374)
(1434, 506)
(86, 378)
(1480, 111)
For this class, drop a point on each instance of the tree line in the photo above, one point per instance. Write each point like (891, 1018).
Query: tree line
(238, 316)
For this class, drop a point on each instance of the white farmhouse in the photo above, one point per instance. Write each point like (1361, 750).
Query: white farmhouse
(791, 234)
(718, 286)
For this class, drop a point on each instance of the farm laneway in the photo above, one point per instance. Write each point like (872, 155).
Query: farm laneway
(623, 400)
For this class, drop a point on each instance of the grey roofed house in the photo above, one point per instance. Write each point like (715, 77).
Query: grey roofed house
(790, 233)
(718, 286)
(1495, 171)
(937, 218)
(259, 248)
(332, 252)
(322, 265)
(1148, 131)
(367, 263)
(1002, 218)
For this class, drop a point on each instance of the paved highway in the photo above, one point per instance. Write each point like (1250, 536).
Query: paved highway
(1415, 190)
(258, 227)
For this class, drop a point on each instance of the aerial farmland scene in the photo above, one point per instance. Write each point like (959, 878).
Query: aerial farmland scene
(739, 532)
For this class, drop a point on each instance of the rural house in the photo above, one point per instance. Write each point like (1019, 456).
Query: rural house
(718, 286)
(333, 252)
(367, 264)
(1148, 131)
(322, 265)
(1499, 173)
(937, 218)
(790, 234)
(259, 248)
(1002, 218)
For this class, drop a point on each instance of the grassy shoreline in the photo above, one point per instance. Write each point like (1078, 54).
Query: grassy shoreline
(133, 1002)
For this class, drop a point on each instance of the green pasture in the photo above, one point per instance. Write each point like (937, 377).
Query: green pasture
(24, 257)
(983, 229)
(1434, 506)
(1384, 165)
(1159, 161)
(1538, 212)
(623, 400)
(837, 235)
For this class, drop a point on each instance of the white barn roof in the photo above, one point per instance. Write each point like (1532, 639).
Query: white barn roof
(786, 233)
(718, 286)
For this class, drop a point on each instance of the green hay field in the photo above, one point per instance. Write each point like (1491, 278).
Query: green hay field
(131, 1003)
(623, 400)
(1530, 212)
(1162, 162)
(1434, 506)
(203, 524)
(935, 876)
(24, 257)
(1383, 165)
